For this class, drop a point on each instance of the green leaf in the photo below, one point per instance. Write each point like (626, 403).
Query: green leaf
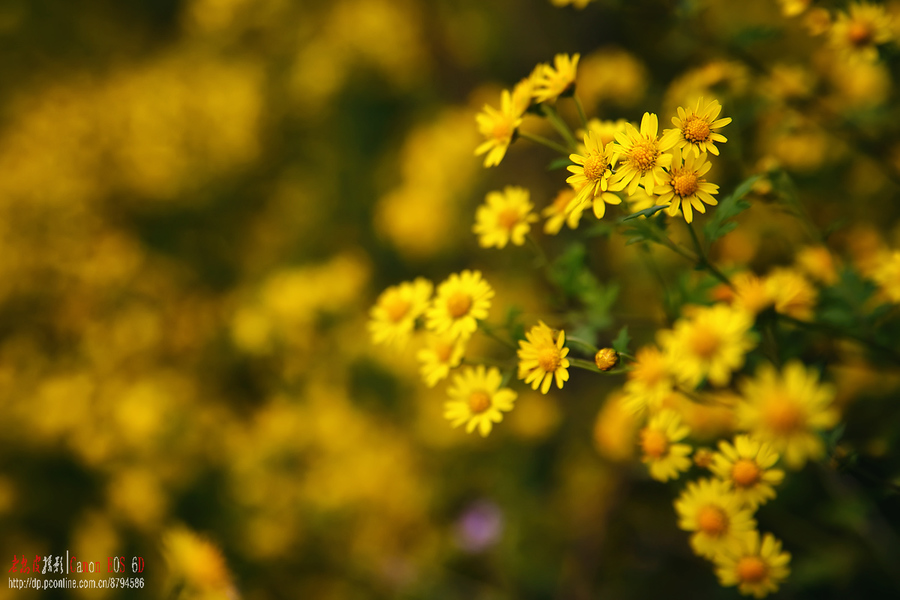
(647, 212)
(559, 163)
(620, 344)
(729, 208)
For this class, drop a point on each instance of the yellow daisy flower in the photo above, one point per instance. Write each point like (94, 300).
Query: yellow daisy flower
(711, 509)
(393, 318)
(641, 156)
(543, 358)
(711, 342)
(697, 131)
(685, 188)
(505, 216)
(590, 176)
(792, 293)
(751, 293)
(441, 353)
(818, 263)
(887, 275)
(523, 92)
(553, 82)
(792, 8)
(666, 459)
(556, 213)
(498, 127)
(649, 381)
(477, 399)
(757, 569)
(576, 3)
(461, 300)
(787, 410)
(747, 465)
(857, 34)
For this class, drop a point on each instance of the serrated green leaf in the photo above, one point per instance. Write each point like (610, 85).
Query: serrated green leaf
(729, 208)
(647, 212)
(620, 344)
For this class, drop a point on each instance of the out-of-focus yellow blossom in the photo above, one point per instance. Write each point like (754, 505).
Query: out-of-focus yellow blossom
(709, 420)
(665, 458)
(590, 176)
(792, 293)
(756, 569)
(858, 84)
(817, 21)
(556, 213)
(393, 318)
(498, 127)
(649, 381)
(461, 301)
(196, 564)
(575, 3)
(818, 263)
(790, 82)
(605, 131)
(542, 357)
(684, 187)
(710, 343)
(886, 274)
(857, 33)
(697, 130)
(523, 92)
(711, 509)
(477, 399)
(505, 216)
(611, 75)
(718, 78)
(642, 158)
(788, 410)
(703, 457)
(747, 465)
(615, 429)
(792, 8)
(557, 80)
(440, 354)
(751, 293)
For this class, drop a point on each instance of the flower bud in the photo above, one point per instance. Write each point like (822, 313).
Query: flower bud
(606, 359)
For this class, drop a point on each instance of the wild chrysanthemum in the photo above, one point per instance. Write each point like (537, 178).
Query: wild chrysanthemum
(788, 410)
(684, 187)
(756, 569)
(649, 381)
(498, 127)
(575, 3)
(818, 263)
(461, 301)
(590, 176)
(792, 8)
(665, 459)
(477, 399)
(713, 511)
(792, 293)
(441, 353)
(556, 213)
(394, 315)
(856, 35)
(751, 293)
(747, 465)
(558, 80)
(641, 156)
(697, 131)
(709, 343)
(887, 275)
(542, 358)
(505, 216)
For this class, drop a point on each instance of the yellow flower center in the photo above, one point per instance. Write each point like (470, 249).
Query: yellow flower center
(751, 569)
(502, 130)
(782, 415)
(685, 183)
(594, 167)
(745, 473)
(396, 307)
(704, 342)
(442, 351)
(695, 129)
(712, 520)
(644, 154)
(479, 401)
(458, 304)
(549, 359)
(860, 34)
(508, 218)
(651, 371)
(654, 443)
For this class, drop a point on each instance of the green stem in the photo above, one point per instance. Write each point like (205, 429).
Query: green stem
(560, 126)
(882, 350)
(489, 331)
(703, 261)
(588, 365)
(540, 257)
(539, 139)
(584, 344)
(581, 115)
